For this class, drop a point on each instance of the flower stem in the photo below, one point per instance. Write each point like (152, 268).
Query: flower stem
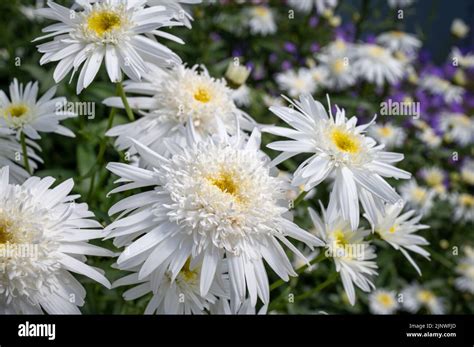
(25, 152)
(316, 260)
(299, 198)
(123, 96)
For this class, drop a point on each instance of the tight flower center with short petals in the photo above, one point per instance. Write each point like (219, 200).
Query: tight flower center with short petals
(17, 110)
(425, 296)
(202, 95)
(226, 182)
(339, 238)
(339, 66)
(385, 299)
(5, 234)
(466, 200)
(344, 141)
(385, 131)
(392, 229)
(102, 22)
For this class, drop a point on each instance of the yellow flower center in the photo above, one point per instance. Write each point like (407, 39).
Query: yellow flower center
(462, 120)
(339, 238)
(227, 184)
(5, 234)
(386, 131)
(103, 22)
(345, 141)
(434, 179)
(187, 273)
(17, 110)
(376, 51)
(339, 66)
(419, 194)
(425, 296)
(466, 200)
(202, 95)
(385, 299)
(397, 34)
(392, 229)
(261, 11)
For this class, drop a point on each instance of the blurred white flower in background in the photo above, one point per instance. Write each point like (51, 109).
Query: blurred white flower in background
(390, 135)
(418, 197)
(416, 297)
(261, 20)
(383, 301)
(459, 28)
(296, 82)
(399, 41)
(457, 127)
(465, 268)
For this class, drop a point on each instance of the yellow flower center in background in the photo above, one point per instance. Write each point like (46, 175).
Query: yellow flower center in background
(376, 51)
(419, 194)
(339, 66)
(425, 296)
(202, 95)
(340, 238)
(345, 141)
(434, 178)
(398, 34)
(386, 131)
(385, 299)
(466, 200)
(102, 22)
(261, 11)
(17, 110)
(187, 273)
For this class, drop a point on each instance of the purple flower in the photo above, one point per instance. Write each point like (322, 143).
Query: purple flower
(290, 47)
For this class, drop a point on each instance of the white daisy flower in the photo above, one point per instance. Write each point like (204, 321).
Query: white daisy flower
(400, 3)
(11, 155)
(352, 255)
(222, 306)
(465, 269)
(459, 28)
(399, 231)
(377, 65)
(241, 96)
(337, 146)
(261, 20)
(439, 86)
(296, 82)
(23, 112)
(390, 135)
(319, 75)
(171, 98)
(467, 172)
(383, 301)
(174, 293)
(176, 7)
(337, 59)
(458, 127)
(306, 5)
(434, 178)
(462, 60)
(430, 138)
(463, 206)
(44, 234)
(418, 197)
(270, 101)
(210, 199)
(399, 41)
(416, 297)
(110, 29)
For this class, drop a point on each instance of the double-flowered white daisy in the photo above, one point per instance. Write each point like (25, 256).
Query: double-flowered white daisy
(465, 270)
(11, 155)
(44, 235)
(352, 255)
(211, 199)
(376, 64)
(399, 231)
(416, 297)
(418, 197)
(439, 86)
(399, 41)
(390, 135)
(296, 82)
(261, 20)
(106, 29)
(383, 301)
(458, 127)
(171, 98)
(24, 112)
(337, 146)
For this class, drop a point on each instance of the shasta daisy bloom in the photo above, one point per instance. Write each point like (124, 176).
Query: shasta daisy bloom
(434, 178)
(399, 231)
(306, 5)
(337, 146)
(261, 20)
(383, 301)
(210, 199)
(416, 297)
(44, 235)
(399, 41)
(463, 206)
(430, 138)
(24, 112)
(177, 293)
(439, 86)
(336, 59)
(459, 28)
(170, 99)
(418, 197)
(390, 135)
(458, 127)
(377, 65)
(467, 172)
(106, 29)
(352, 255)
(296, 82)
(11, 156)
(465, 269)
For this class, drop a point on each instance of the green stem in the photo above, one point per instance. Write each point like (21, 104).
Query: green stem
(317, 289)
(299, 198)
(123, 96)
(300, 270)
(25, 152)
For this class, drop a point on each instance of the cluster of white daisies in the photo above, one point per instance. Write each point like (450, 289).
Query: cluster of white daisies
(212, 216)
